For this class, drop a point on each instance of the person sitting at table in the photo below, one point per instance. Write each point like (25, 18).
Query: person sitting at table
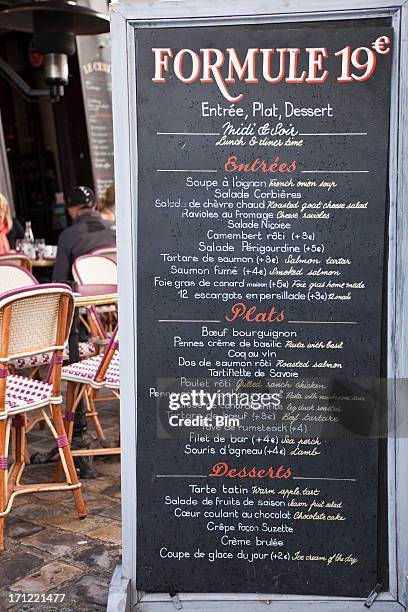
(10, 229)
(87, 232)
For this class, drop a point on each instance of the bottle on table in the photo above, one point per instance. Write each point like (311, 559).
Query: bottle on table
(28, 243)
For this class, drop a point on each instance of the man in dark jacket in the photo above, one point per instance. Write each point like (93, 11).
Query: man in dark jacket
(87, 232)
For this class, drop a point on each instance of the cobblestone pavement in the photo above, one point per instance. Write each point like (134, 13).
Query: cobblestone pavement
(49, 550)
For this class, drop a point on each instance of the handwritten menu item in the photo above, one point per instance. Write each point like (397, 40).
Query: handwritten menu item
(95, 69)
(262, 174)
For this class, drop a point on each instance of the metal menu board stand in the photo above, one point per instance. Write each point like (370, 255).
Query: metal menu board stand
(262, 219)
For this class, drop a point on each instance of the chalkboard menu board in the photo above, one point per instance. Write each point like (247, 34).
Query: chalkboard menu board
(262, 214)
(95, 69)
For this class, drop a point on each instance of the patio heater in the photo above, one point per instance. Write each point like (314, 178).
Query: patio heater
(54, 25)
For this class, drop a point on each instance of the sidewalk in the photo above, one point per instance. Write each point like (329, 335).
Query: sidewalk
(48, 550)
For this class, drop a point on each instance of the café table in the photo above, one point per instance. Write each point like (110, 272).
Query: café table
(43, 263)
(84, 295)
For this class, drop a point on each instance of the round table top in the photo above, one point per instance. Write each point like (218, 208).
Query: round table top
(98, 295)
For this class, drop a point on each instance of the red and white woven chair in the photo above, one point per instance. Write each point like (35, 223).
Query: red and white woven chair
(15, 277)
(95, 269)
(85, 379)
(16, 259)
(33, 320)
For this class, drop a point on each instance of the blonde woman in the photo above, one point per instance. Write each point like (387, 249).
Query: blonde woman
(10, 229)
(107, 205)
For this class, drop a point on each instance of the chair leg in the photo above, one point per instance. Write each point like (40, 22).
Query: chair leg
(68, 425)
(20, 443)
(93, 413)
(72, 476)
(3, 493)
(2, 519)
(70, 409)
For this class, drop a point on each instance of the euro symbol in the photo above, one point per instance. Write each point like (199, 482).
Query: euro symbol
(381, 45)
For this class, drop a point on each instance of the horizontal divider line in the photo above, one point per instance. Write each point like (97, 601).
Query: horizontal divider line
(192, 170)
(214, 321)
(328, 322)
(188, 133)
(180, 476)
(187, 321)
(335, 134)
(323, 478)
(294, 477)
(335, 171)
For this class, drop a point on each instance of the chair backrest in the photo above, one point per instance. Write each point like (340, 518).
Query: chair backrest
(14, 277)
(18, 259)
(110, 252)
(35, 320)
(95, 270)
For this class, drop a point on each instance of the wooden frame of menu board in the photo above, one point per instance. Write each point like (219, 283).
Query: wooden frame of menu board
(126, 17)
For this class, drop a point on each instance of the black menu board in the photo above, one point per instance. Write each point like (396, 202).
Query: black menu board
(94, 53)
(262, 214)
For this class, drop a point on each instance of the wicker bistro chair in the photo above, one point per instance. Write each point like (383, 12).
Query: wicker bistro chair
(85, 379)
(17, 259)
(93, 269)
(15, 277)
(32, 320)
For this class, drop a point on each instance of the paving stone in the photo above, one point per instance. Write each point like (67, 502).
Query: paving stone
(92, 590)
(54, 541)
(38, 473)
(15, 566)
(29, 510)
(107, 468)
(18, 528)
(108, 533)
(36, 512)
(21, 500)
(100, 555)
(112, 491)
(94, 503)
(69, 522)
(114, 512)
(59, 497)
(46, 579)
(97, 485)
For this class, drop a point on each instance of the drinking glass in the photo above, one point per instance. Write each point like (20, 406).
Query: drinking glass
(39, 244)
